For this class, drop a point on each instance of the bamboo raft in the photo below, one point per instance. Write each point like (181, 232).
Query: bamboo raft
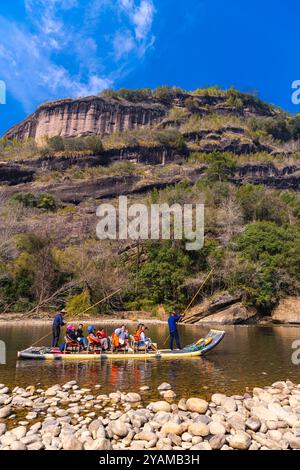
(199, 348)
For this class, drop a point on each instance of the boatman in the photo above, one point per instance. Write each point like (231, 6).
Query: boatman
(172, 322)
(58, 322)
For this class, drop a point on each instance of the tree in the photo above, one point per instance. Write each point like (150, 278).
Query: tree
(221, 166)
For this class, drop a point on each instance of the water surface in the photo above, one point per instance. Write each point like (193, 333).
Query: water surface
(248, 356)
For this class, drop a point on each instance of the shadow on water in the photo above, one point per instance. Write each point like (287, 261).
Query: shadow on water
(248, 356)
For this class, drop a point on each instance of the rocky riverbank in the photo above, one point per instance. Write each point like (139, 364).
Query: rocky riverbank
(68, 417)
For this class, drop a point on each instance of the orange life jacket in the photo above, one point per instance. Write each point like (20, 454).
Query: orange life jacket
(137, 335)
(115, 340)
(93, 339)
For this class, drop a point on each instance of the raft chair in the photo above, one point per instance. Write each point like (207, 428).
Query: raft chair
(71, 346)
(136, 347)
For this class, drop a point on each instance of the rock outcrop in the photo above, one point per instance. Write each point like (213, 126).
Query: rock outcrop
(86, 116)
(288, 311)
(225, 309)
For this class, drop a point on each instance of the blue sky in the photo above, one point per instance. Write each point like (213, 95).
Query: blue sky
(66, 48)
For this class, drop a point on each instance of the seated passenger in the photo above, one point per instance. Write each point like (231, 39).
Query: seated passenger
(80, 336)
(94, 340)
(137, 334)
(120, 338)
(69, 338)
(145, 340)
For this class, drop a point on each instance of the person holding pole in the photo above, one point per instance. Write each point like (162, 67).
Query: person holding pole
(172, 323)
(58, 322)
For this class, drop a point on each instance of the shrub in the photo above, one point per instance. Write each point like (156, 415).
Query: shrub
(47, 202)
(77, 304)
(94, 143)
(56, 143)
(42, 201)
(26, 199)
(221, 166)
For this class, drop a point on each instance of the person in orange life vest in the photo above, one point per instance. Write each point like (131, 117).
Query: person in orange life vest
(121, 337)
(93, 339)
(137, 334)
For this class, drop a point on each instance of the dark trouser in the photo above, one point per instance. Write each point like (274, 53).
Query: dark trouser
(55, 336)
(174, 335)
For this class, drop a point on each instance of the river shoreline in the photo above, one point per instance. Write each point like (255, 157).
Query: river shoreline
(67, 417)
(17, 318)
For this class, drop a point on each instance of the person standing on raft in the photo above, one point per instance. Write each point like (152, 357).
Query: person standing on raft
(58, 322)
(172, 323)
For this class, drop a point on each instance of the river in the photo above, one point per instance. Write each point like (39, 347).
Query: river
(248, 356)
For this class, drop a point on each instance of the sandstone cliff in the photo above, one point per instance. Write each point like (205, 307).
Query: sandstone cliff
(85, 116)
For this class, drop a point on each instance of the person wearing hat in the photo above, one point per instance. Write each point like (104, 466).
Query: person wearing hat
(58, 322)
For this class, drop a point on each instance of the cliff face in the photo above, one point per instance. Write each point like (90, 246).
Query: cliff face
(103, 115)
(85, 116)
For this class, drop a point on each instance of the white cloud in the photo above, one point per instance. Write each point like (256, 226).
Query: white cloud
(141, 17)
(123, 43)
(50, 57)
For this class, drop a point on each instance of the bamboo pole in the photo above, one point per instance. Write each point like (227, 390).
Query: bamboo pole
(194, 297)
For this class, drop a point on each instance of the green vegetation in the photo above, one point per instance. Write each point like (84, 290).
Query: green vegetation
(164, 93)
(41, 201)
(80, 303)
(146, 138)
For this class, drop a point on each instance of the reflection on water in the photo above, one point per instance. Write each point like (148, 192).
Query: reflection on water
(248, 356)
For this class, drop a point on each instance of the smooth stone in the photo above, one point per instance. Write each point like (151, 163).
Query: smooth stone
(61, 413)
(294, 442)
(216, 428)
(253, 423)
(182, 404)
(118, 428)
(229, 405)
(169, 395)
(217, 441)
(133, 397)
(240, 441)
(172, 428)
(198, 429)
(197, 405)
(70, 442)
(164, 386)
(218, 398)
(187, 437)
(38, 445)
(27, 440)
(160, 406)
(17, 445)
(145, 436)
(2, 429)
(101, 444)
(19, 432)
(144, 388)
(263, 413)
(5, 411)
(202, 446)
(31, 415)
(275, 435)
